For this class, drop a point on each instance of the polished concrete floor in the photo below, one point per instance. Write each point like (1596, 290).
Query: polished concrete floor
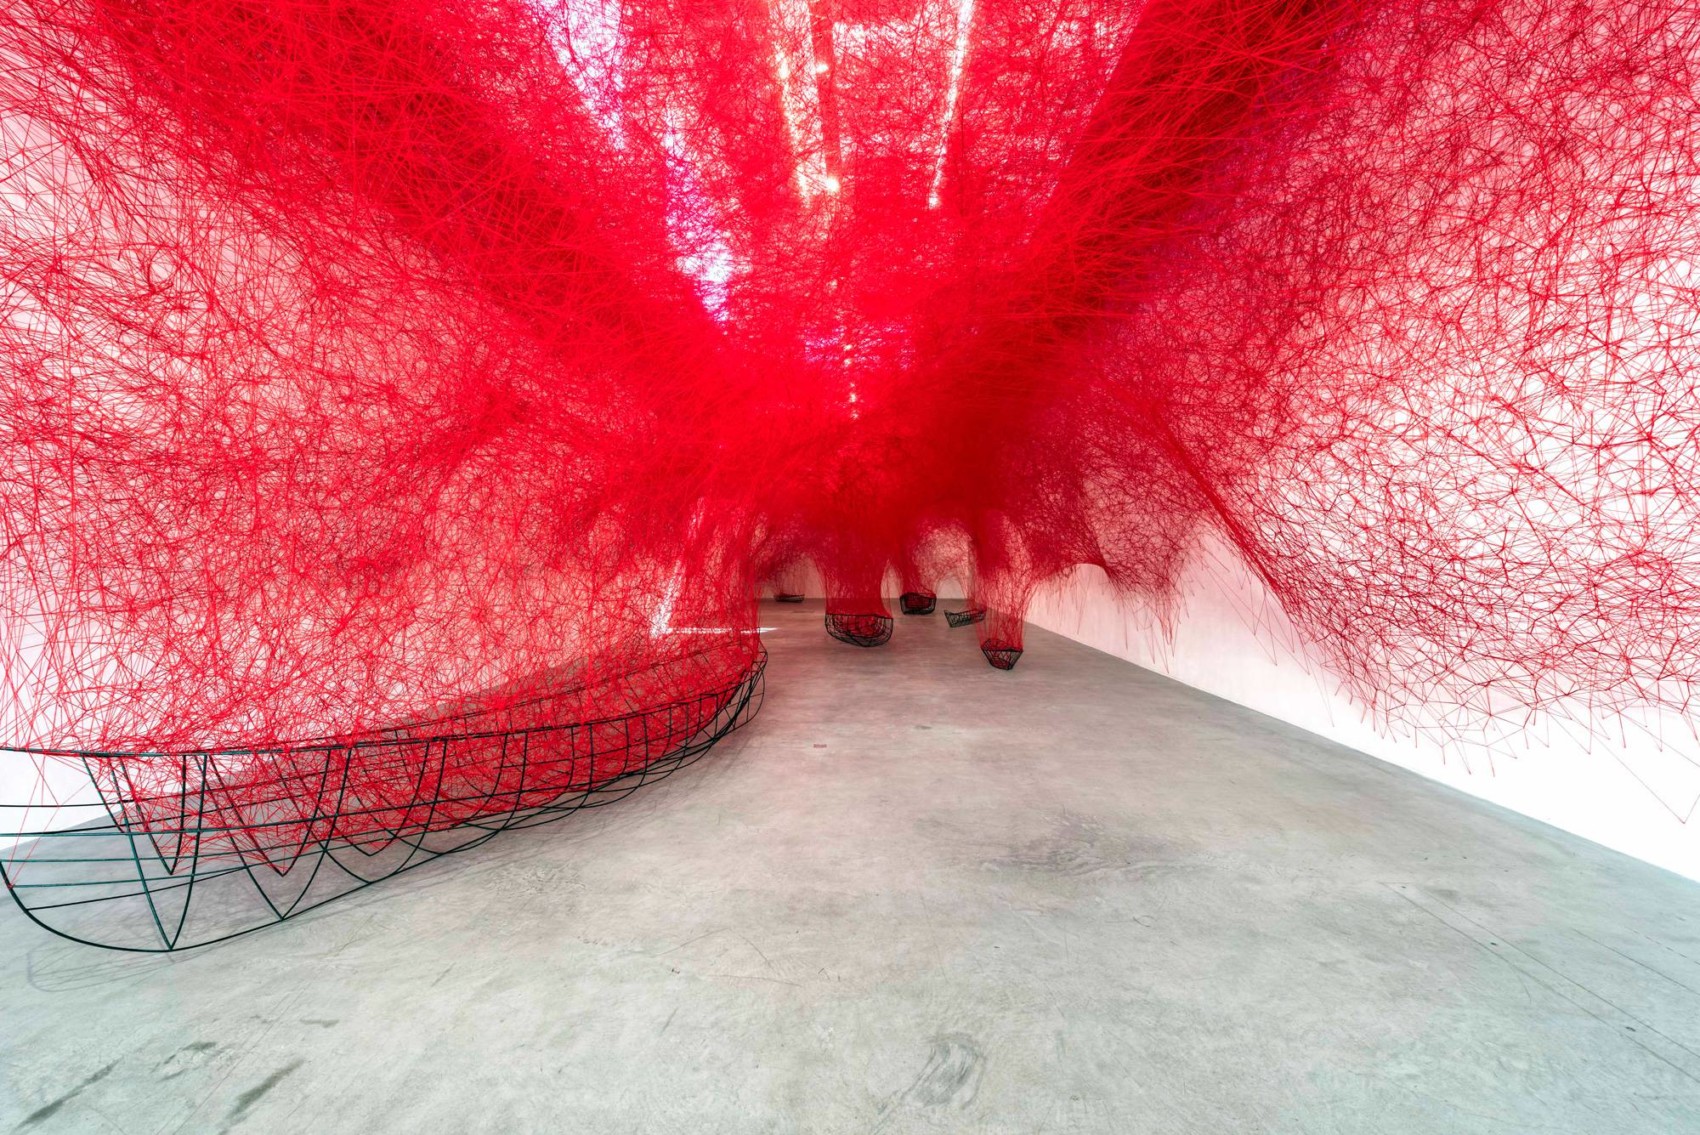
(920, 895)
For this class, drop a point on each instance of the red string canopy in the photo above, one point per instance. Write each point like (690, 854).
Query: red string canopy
(365, 361)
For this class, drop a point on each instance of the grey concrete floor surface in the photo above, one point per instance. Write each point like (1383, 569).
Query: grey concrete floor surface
(920, 895)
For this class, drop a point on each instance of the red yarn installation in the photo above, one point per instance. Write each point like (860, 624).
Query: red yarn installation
(365, 356)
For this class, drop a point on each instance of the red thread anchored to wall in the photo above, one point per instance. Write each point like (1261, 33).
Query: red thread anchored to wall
(364, 357)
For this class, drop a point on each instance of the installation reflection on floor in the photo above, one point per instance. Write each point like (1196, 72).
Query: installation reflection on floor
(918, 894)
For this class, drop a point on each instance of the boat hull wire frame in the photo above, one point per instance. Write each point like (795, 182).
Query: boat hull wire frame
(161, 874)
(859, 629)
(965, 617)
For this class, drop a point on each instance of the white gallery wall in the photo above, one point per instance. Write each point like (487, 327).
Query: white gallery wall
(1631, 784)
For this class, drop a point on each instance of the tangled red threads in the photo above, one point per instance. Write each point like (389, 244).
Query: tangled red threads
(362, 357)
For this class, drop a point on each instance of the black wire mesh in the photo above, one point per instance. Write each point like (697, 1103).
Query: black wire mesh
(918, 602)
(859, 630)
(965, 616)
(174, 859)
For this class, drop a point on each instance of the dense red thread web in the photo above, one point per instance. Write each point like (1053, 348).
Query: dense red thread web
(362, 358)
